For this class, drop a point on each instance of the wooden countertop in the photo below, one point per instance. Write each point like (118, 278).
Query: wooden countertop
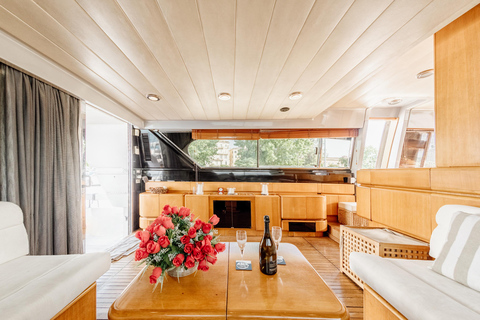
(296, 291)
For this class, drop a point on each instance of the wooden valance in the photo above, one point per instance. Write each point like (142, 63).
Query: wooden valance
(256, 134)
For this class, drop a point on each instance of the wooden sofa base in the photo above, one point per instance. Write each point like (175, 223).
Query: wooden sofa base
(377, 308)
(83, 307)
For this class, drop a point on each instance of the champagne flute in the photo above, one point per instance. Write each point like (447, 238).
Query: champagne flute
(277, 236)
(241, 241)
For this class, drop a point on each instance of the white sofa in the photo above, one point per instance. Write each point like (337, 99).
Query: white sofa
(411, 287)
(40, 287)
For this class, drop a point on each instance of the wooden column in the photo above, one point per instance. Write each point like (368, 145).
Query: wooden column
(457, 92)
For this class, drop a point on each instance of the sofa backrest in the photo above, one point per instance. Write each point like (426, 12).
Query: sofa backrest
(444, 217)
(13, 236)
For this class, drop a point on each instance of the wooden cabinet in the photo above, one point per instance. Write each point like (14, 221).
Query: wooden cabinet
(296, 207)
(267, 205)
(363, 202)
(151, 204)
(199, 206)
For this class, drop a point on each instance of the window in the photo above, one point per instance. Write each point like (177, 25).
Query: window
(299, 153)
(380, 133)
(418, 149)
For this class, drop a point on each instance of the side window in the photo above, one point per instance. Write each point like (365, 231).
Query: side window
(378, 143)
(418, 149)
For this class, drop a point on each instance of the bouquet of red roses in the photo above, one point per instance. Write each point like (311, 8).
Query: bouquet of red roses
(177, 240)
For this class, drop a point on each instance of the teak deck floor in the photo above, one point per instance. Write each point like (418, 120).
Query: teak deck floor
(322, 253)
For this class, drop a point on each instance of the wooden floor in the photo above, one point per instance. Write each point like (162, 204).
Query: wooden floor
(322, 253)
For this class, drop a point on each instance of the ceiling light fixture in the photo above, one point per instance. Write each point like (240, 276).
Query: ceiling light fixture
(295, 95)
(425, 74)
(285, 109)
(224, 96)
(393, 101)
(153, 97)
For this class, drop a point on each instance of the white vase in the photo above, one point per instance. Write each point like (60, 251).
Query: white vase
(181, 272)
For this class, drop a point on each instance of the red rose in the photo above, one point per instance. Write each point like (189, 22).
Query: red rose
(143, 236)
(199, 244)
(214, 219)
(188, 248)
(184, 212)
(212, 259)
(178, 260)
(152, 247)
(185, 239)
(208, 237)
(220, 247)
(197, 254)
(175, 210)
(192, 232)
(150, 227)
(198, 224)
(141, 254)
(190, 262)
(157, 272)
(159, 230)
(163, 241)
(167, 223)
(207, 249)
(167, 209)
(192, 217)
(203, 265)
(206, 228)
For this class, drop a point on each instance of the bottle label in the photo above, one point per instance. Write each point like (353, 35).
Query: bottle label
(272, 266)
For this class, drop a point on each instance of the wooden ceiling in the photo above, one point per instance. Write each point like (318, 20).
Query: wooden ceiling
(259, 51)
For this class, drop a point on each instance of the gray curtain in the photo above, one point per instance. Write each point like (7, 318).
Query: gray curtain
(40, 161)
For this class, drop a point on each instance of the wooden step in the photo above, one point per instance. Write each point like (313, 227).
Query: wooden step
(334, 231)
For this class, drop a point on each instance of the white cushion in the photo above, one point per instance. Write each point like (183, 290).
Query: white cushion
(13, 236)
(38, 287)
(459, 259)
(350, 206)
(415, 290)
(444, 217)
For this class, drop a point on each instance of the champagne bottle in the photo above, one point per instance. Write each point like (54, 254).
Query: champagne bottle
(268, 253)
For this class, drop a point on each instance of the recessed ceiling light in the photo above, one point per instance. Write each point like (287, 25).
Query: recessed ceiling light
(153, 97)
(393, 101)
(224, 96)
(284, 109)
(425, 74)
(295, 95)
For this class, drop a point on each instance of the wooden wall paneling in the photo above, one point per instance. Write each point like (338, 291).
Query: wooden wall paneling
(267, 205)
(338, 188)
(316, 207)
(439, 200)
(293, 207)
(149, 205)
(83, 307)
(346, 198)
(409, 212)
(363, 202)
(418, 178)
(375, 307)
(199, 206)
(363, 176)
(171, 199)
(332, 205)
(460, 179)
(457, 98)
(293, 188)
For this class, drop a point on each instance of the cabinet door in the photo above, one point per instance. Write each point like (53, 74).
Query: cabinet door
(198, 205)
(294, 207)
(316, 207)
(149, 205)
(267, 205)
(174, 200)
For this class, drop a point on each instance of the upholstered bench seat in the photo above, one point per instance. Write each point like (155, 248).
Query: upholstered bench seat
(412, 288)
(44, 285)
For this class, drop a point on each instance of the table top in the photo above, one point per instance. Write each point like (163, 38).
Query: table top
(296, 291)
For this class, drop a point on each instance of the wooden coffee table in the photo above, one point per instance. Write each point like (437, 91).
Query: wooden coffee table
(296, 291)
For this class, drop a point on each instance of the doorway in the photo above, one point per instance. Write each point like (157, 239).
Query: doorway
(106, 179)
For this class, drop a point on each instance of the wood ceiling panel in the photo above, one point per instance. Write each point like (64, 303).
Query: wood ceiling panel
(387, 24)
(356, 20)
(19, 29)
(218, 20)
(424, 24)
(148, 20)
(183, 19)
(323, 18)
(253, 21)
(288, 20)
(110, 17)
